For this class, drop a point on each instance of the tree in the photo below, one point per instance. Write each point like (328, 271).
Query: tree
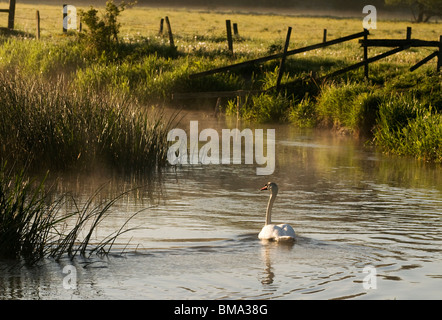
(422, 10)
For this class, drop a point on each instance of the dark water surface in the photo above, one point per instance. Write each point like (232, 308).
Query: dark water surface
(351, 207)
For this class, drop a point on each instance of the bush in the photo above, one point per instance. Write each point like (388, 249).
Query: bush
(335, 104)
(363, 115)
(102, 35)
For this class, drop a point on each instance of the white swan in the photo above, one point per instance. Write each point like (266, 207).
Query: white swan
(280, 232)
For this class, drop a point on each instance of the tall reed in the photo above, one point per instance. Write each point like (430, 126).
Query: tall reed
(34, 225)
(49, 124)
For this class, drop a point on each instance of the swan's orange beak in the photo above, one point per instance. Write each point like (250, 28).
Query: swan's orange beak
(264, 188)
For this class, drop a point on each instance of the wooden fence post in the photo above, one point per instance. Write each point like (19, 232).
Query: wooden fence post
(218, 103)
(235, 29)
(37, 16)
(365, 54)
(238, 106)
(11, 14)
(324, 37)
(169, 29)
(281, 66)
(439, 57)
(160, 32)
(408, 33)
(65, 14)
(229, 35)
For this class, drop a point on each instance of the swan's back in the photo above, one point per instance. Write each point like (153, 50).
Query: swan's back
(280, 232)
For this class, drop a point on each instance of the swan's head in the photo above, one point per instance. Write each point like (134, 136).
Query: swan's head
(273, 187)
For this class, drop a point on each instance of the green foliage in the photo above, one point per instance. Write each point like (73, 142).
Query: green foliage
(303, 114)
(364, 113)
(61, 128)
(102, 35)
(33, 227)
(423, 10)
(336, 104)
(351, 106)
(266, 107)
(45, 58)
(406, 127)
(26, 220)
(425, 86)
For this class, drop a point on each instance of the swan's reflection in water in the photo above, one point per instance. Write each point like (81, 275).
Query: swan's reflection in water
(269, 249)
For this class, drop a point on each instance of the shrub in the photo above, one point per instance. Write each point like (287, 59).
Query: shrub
(102, 35)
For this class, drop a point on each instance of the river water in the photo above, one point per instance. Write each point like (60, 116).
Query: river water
(368, 226)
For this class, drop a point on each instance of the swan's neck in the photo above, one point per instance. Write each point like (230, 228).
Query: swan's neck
(269, 209)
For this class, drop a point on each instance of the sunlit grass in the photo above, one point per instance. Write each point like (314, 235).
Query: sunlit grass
(147, 69)
(57, 128)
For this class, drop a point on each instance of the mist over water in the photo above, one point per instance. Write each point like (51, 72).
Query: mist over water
(350, 206)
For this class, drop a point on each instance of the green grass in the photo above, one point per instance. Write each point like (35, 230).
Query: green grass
(407, 127)
(49, 125)
(352, 106)
(34, 226)
(144, 67)
(26, 221)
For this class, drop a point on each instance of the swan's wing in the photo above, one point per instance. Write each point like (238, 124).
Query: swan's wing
(270, 232)
(277, 232)
(286, 230)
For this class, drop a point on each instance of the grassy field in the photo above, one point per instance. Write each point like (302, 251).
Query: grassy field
(145, 68)
(188, 23)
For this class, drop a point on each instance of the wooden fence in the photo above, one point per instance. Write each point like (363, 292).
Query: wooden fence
(398, 45)
(11, 14)
(403, 44)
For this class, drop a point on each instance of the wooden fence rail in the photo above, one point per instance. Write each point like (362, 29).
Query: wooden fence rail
(366, 62)
(11, 14)
(398, 44)
(424, 61)
(408, 43)
(279, 55)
